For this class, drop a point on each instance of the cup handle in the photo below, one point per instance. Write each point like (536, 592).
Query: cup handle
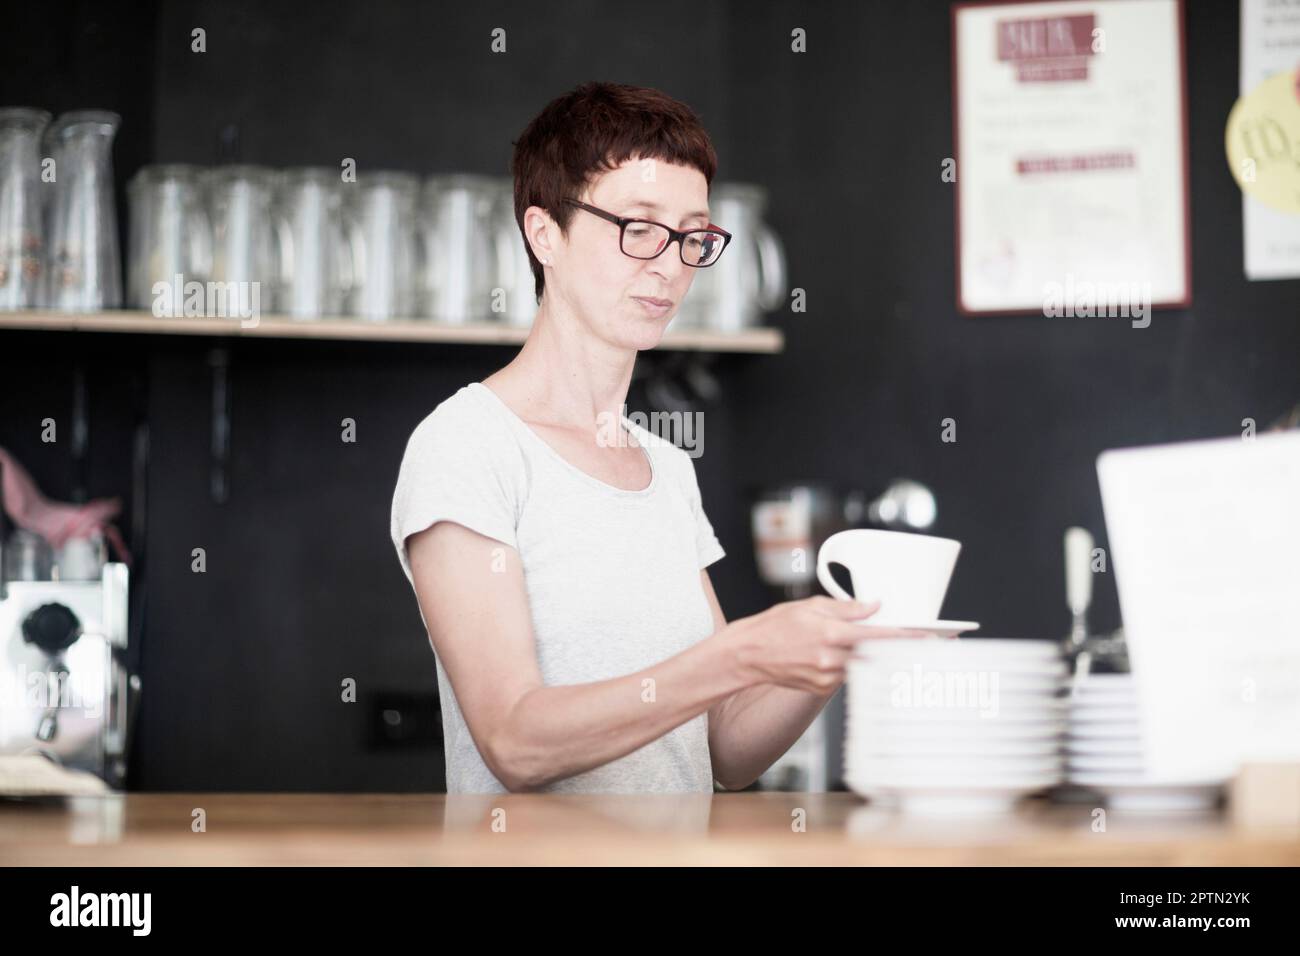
(200, 244)
(354, 244)
(284, 249)
(826, 555)
(343, 266)
(772, 265)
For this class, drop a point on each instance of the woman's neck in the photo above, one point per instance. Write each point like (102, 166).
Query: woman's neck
(564, 375)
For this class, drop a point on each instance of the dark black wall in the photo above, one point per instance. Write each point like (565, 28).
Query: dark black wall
(243, 664)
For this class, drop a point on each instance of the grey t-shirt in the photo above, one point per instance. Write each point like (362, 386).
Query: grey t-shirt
(613, 576)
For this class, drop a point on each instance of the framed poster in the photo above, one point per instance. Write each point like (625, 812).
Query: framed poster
(1270, 44)
(1070, 133)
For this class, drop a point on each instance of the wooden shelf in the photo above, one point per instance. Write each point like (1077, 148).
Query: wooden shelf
(756, 340)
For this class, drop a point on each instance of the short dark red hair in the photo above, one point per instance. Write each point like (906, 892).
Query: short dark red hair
(596, 128)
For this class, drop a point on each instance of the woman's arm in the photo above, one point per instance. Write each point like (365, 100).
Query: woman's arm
(750, 729)
(472, 594)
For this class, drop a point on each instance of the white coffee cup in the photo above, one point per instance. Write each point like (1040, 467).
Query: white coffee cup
(907, 573)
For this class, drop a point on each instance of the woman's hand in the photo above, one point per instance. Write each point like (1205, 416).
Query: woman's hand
(805, 645)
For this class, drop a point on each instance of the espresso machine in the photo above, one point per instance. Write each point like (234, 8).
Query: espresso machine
(789, 525)
(65, 688)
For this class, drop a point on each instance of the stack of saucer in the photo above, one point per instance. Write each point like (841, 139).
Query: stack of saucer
(1104, 752)
(937, 725)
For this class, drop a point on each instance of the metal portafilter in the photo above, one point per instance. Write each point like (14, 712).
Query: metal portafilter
(1088, 653)
(1078, 584)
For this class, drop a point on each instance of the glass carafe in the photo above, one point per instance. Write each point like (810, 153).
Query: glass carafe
(84, 268)
(22, 252)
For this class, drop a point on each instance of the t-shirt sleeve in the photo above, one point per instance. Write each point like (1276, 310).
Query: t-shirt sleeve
(457, 468)
(707, 547)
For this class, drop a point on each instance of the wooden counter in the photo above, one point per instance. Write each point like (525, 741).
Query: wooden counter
(725, 828)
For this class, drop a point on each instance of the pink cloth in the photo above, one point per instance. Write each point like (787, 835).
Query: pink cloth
(55, 521)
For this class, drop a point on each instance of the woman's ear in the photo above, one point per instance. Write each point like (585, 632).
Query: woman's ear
(540, 228)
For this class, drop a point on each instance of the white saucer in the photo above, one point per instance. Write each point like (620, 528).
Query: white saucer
(921, 780)
(965, 731)
(927, 799)
(1001, 647)
(882, 705)
(867, 661)
(1117, 682)
(1124, 746)
(937, 628)
(1104, 715)
(949, 747)
(1102, 763)
(1112, 695)
(932, 803)
(885, 769)
(1130, 792)
(1104, 731)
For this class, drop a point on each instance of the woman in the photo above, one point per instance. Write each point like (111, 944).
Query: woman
(561, 575)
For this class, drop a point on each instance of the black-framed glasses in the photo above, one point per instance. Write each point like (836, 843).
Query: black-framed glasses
(647, 239)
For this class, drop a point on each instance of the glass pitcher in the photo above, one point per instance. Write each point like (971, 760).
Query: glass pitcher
(245, 253)
(750, 278)
(21, 232)
(456, 248)
(84, 265)
(379, 216)
(316, 269)
(170, 237)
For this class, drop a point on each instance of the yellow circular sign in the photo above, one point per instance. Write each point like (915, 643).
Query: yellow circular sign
(1263, 142)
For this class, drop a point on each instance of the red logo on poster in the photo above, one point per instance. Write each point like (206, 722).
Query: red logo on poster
(1049, 49)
